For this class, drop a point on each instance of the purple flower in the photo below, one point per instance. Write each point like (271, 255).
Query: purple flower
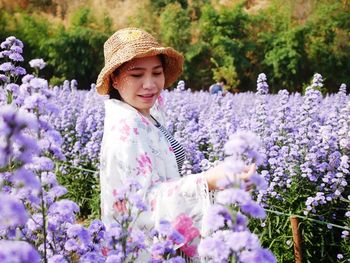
(18, 251)
(137, 201)
(57, 191)
(97, 230)
(164, 227)
(344, 233)
(12, 212)
(35, 101)
(342, 88)
(238, 241)
(92, 257)
(27, 78)
(262, 86)
(214, 247)
(16, 57)
(35, 222)
(4, 78)
(12, 87)
(38, 63)
(10, 42)
(233, 196)
(317, 80)
(138, 238)
(218, 217)
(78, 231)
(160, 248)
(64, 208)
(254, 209)
(17, 49)
(241, 222)
(114, 231)
(175, 260)
(7, 66)
(39, 83)
(257, 256)
(114, 259)
(25, 177)
(244, 143)
(18, 71)
(57, 259)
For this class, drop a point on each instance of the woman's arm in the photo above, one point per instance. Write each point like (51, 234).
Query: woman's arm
(219, 173)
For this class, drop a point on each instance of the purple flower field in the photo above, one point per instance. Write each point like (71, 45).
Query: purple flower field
(300, 142)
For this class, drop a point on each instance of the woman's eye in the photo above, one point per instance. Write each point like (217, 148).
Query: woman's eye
(158, 73)
(136, 75)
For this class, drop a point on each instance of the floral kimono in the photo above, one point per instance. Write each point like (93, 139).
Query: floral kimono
(134, 148)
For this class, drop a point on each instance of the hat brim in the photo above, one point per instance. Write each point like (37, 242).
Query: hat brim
(172, 66)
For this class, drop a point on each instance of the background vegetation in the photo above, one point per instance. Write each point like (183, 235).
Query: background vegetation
(288, 40)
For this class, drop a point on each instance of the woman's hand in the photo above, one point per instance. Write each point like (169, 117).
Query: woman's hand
(217, 173)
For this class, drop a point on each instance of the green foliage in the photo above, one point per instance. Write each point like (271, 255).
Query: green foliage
(223, 32)
(159, 4)
(328, 44)
(76, 54)
(175, 27)
(145, 18)
(286, 58)
(71, 53)
(82, 18)
(83, 188)
(289, 41)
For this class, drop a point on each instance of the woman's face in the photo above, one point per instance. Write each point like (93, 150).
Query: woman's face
(139, 82)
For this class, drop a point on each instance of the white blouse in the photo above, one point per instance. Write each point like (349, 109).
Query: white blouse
(132, 147)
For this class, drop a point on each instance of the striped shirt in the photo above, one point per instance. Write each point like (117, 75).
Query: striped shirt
(175, 145)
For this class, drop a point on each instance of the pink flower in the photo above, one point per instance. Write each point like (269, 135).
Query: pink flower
(120, 206)
(144, 164)
(153, 204)
(105, 251)
(190, 251)
(144, 119)
(184, 225)
(161, 100)
(124, 130)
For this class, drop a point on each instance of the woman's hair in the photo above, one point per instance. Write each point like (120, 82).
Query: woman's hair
(222, 79)
(113, 92)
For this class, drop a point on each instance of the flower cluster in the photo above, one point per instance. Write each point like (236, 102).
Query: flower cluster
(303, 157)
(230, 239)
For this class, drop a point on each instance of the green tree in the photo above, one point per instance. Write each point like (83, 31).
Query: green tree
(287, 59)
(328, 45)
(175, 27)
(160, 4)
(76, 53)
(222, 44)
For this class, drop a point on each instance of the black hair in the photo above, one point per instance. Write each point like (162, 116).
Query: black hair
(113, 92)
(222, 79)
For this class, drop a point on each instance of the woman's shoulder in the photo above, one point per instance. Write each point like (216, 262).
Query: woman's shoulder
(122, 115)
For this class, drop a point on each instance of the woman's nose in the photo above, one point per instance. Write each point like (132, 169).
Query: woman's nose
(149, 83)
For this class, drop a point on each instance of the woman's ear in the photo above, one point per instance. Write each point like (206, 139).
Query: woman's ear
(114, 81)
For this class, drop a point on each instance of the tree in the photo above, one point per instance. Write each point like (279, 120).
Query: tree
(175, 27)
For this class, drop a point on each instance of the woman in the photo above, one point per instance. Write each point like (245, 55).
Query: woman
(135, 144)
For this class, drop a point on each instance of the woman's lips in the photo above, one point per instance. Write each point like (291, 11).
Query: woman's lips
(147, 97)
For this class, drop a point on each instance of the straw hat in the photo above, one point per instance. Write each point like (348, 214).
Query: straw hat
(129, 43)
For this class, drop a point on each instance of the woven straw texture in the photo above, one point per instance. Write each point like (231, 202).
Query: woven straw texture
(129, 43)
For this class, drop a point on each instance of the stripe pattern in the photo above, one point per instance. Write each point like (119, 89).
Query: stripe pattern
(177, 147)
